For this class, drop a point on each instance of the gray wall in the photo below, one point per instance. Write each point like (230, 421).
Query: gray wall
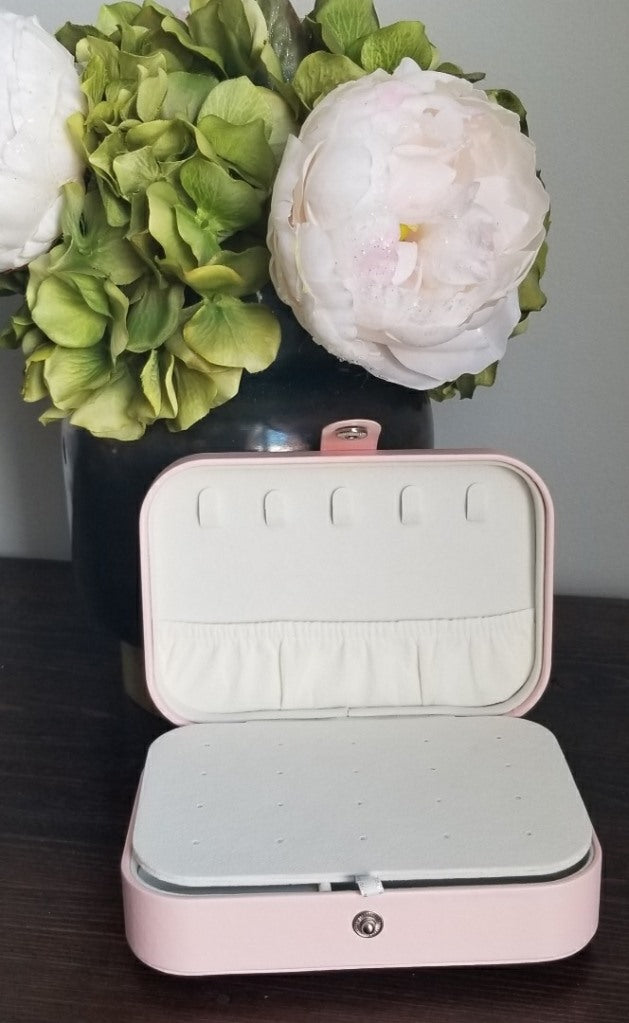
(561, 398)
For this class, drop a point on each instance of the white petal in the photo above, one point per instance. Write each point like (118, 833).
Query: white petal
(39, 90)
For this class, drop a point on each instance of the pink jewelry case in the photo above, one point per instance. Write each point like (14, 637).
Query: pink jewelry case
(349, 639)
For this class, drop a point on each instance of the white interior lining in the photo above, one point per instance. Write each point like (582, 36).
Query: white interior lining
(289, 666)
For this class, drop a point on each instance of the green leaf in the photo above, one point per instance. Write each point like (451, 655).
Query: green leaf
(510, 101)
(320, 73)
(69, 34)
(465, 385)
(233, 28)
(226, 205)
(71, 373)
(231, 333)
(8, 338)
(446, 68)
(20, 325)
(343, 22)
(154, 317)
(530, 294)
(388, 46)
(243, 147)
(62, 314)
(287, 35)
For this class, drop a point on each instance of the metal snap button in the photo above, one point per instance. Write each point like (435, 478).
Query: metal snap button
(351, 432)
(367, 924)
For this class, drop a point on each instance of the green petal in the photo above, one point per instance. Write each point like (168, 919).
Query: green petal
(154, 317)
(90, 289)
(150, 381)
(135, 171)
(33, 383)
(196, 395)
(151, 94)
(102, 159)
(195, 234)
(228, 332)
(182, 34)
(119, 306)
(213, 279)
(243, 147)
(109, 412)
(72, 372)
(238, 101)
(226, 204)
(234, 273)
(162, 223)
(61, 313)
(185, 94)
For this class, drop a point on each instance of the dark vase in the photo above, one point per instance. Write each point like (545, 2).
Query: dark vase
(283, 408)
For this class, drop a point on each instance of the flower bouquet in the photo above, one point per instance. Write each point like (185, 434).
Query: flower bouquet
(156, 170)
(178, 195)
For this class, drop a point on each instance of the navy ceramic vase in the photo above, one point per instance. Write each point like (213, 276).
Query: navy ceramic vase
(283, 408)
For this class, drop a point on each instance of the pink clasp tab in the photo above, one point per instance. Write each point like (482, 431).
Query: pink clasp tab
(350, 435)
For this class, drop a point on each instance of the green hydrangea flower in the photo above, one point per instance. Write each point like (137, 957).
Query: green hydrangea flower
(139, 312)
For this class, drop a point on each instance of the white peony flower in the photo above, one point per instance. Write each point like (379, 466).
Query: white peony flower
(403, 219)
(39, 90)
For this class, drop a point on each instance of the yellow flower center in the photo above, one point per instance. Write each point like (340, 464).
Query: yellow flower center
(409, 232)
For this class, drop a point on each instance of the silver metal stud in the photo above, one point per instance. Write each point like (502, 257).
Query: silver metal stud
(367, 924)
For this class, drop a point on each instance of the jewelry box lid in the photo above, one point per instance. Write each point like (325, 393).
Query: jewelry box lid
(346, 582)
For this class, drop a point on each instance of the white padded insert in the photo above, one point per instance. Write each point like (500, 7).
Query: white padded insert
(304, 584)
(324, 801)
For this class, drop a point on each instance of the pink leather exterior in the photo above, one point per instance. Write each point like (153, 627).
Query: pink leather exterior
(366, 452)
(433, 926)
(424, 926)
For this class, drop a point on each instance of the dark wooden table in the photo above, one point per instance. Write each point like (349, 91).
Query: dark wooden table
(71, 751)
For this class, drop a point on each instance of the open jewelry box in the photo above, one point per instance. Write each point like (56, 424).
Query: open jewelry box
(349, 638)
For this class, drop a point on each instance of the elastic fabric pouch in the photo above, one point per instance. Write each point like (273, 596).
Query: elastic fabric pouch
(292, 666)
